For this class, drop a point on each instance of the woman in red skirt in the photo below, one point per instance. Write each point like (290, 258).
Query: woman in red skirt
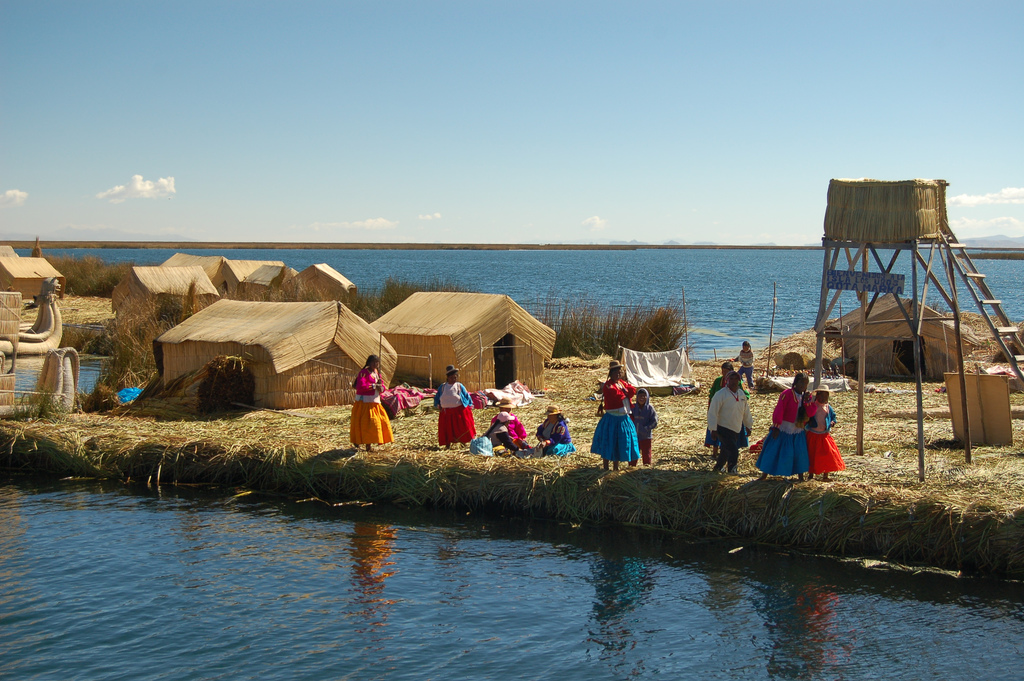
(821, 448)
(455, 423)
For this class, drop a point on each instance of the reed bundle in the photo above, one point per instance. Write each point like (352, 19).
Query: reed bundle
(885, 212)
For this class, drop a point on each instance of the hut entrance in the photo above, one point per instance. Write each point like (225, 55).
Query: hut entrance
(504, 361)
(903, 357)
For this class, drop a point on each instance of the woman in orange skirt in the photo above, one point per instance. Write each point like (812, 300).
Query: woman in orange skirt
(370, 424)
(824, 454)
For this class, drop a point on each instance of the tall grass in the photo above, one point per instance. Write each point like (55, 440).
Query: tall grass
(585, 328)
(90, 276)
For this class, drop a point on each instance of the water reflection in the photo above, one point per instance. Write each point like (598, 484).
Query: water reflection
(371, 546)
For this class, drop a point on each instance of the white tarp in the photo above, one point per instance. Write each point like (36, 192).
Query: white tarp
(836, 385)
(656, 369)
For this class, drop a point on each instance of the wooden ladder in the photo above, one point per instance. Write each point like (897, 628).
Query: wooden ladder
(990, 307)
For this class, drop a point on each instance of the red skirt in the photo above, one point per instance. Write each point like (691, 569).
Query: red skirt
(455, 424)
(824, 454)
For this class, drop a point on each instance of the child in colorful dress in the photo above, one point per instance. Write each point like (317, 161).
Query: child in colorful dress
(370, 424)
(554, 434)
(506, 428)
(455, 422)
(785, 449)
(746, 360)
(645, 419)
(709, 439)
(615, 435)
(822, 450)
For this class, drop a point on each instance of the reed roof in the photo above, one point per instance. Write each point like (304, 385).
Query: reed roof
(7, 251)
(884, 211)
(210, 263)
(28, 268)
(270, 275)
(290, 333)
(145, 281)
(466, 318)
(241, 269)
(887, 320)
(323, 275)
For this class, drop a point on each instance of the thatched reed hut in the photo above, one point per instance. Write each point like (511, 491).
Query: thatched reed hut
(7, 251)
(489, 337)
(264, 279)
(301, 354)
(187, 286)
(10, 325)
(224, 273)
(26, 275)
(893, 352)
(885, 212)
(325, 280)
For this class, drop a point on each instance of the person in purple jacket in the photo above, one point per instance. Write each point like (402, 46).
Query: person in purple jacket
(554, 434)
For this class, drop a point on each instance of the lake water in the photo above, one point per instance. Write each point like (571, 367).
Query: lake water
(100, 581)
(728, 291)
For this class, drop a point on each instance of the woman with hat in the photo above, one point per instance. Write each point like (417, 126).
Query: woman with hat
(615, 436)
(370, 424)
(554, 434)
(506, 428)
(821, 448)
(785, 449)
(455, 422)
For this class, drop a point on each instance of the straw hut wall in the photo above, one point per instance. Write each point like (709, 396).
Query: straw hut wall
(7, 251)
(10, 324)
(489, 337)
(885, 212)
(165, 284)
(264, 279)
(26, 275)
(324, 279)
(301, 354)
(893, 354)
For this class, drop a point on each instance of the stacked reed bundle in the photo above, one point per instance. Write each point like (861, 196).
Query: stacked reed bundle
(10, 324)
(885, 212)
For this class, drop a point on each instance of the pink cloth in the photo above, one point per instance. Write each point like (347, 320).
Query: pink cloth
(401, 397)
(787, 407)
(515, 426)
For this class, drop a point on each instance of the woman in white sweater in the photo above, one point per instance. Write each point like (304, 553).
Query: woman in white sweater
(729, 416)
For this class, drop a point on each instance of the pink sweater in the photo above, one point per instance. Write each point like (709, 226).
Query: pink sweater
(364, 382)
(787, 407)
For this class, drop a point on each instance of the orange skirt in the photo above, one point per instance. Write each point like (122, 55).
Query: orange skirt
(370, 424)
(824, 454)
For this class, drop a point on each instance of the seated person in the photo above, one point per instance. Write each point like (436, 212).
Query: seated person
(506, 428)
(554, 434)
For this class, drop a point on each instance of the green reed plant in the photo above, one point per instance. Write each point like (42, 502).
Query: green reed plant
(584, 328)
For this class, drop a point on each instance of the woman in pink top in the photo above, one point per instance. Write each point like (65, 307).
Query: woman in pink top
(370, 424)
(785, 449)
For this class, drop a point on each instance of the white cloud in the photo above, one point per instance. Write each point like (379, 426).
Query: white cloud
(431, 216)
(968, 227)
(594, 223)
(12, 197)
(139, 188)
(1005, 195)
(370, 225)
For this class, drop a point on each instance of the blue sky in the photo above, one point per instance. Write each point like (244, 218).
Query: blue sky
(499, 122)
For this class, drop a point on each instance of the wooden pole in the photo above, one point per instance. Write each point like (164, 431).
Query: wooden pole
(480, 363)
(961, 377)
(533, 368)
(771, 329)
(819, 324)
(917, 370)
(862, 352)
(686, 324)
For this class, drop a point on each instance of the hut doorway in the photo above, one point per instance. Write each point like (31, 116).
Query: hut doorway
(504, 361)
(903, 357)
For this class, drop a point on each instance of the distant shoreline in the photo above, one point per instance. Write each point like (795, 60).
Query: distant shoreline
(277, 245)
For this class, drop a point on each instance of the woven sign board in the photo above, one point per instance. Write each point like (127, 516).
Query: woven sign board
(988, 404)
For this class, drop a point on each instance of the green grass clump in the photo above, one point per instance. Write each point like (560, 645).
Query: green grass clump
(90, 276)
(585, 328)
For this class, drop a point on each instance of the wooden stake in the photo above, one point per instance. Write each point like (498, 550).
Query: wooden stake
(771, 329)
(917, 369)
(863, 350)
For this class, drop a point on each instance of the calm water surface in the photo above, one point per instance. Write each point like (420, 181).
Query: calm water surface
(101, 582)
(728, 291)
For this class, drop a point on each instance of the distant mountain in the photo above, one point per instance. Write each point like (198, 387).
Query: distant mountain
(632, 242)
(94, 234)
(997, 241)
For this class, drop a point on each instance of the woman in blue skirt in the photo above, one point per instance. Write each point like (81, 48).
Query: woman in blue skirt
(785, 449)
(615, 436)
